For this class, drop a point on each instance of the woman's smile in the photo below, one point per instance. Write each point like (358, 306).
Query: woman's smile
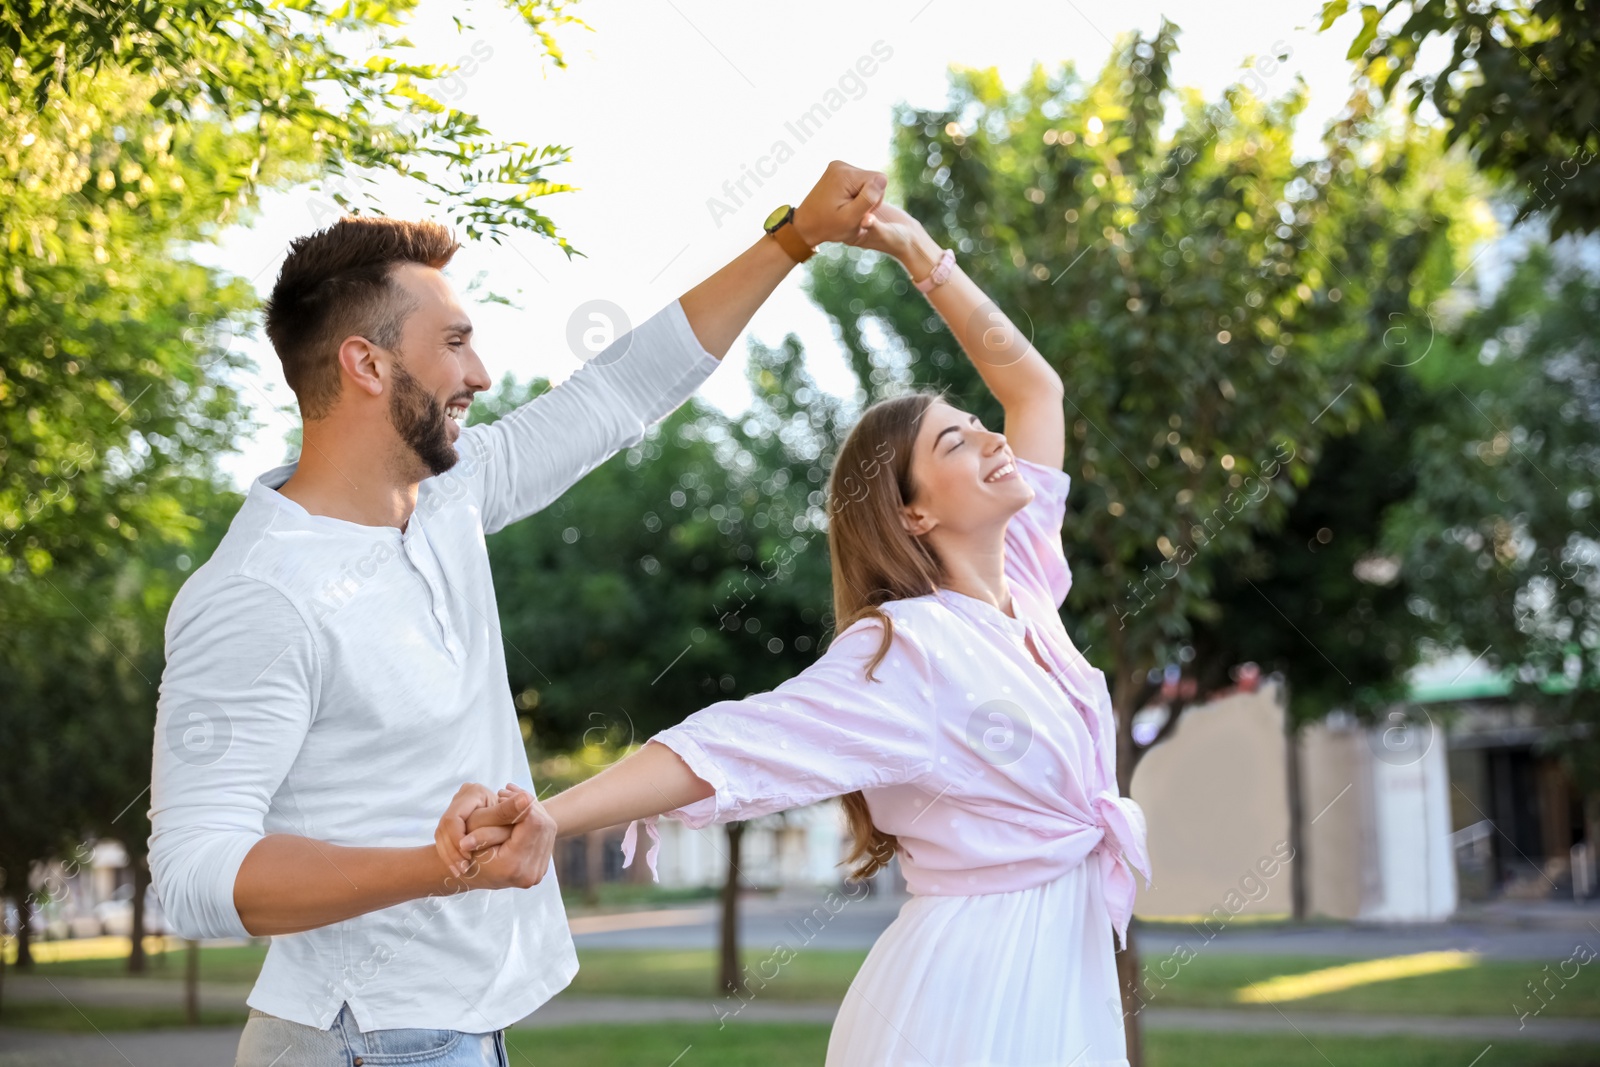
(1006, 470)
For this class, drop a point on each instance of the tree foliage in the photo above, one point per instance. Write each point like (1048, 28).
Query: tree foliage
(115, 350)
(1521, 89)
(1501, 531)
(334, 75)
(78, 684)
(129, 132)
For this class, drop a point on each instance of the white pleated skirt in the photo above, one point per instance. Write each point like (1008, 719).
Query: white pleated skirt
(1024, 979)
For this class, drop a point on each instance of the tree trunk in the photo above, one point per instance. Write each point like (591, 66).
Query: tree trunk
(24, 931)
(1297, 814)
(1132, 1001)
(1128, 958)
(191, 985)
(594, 860)
(137, 964)
(728, 979)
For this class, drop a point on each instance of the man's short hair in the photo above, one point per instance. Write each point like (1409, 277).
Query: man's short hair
(337, 283)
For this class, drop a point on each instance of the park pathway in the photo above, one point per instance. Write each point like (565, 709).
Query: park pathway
(1532, 933)
(211, 1046)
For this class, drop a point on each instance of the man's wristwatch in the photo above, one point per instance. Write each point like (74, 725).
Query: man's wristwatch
(780, 227)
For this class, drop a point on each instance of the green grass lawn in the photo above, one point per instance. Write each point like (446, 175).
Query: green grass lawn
(811, 975)
(59, 1015)
(1210, 980)
(793, 1045)
(1487, 988)
(1180, 1049)
(752, 1045)
(217, 964)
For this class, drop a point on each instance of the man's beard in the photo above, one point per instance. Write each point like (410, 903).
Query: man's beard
(419, 418)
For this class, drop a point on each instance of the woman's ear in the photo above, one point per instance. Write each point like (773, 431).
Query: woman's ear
(916, 521)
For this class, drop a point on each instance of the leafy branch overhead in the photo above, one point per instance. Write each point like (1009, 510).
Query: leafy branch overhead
(286, 72)
(1520, 88)
(131, 131)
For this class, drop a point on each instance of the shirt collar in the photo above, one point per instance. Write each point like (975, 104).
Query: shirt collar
(264, 490)
(981, 611)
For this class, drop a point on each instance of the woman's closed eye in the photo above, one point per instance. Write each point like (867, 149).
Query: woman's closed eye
(958, 439)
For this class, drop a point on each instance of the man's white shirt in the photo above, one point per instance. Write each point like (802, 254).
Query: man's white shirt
(340, 682)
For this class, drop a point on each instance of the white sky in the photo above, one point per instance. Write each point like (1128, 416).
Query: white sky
(668, 99)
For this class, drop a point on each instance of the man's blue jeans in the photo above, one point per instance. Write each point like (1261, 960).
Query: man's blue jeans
(269, 1041)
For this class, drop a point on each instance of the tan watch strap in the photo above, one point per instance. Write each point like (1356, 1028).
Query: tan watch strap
(790, 241)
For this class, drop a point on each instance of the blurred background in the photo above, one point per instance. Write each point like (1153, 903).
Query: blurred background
(1321, 281)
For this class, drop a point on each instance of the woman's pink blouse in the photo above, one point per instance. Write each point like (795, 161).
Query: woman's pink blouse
(994, 775)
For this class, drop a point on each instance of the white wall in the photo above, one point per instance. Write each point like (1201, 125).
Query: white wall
(1410, 785)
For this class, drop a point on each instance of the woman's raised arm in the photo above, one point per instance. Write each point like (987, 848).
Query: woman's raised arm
(1027, 387)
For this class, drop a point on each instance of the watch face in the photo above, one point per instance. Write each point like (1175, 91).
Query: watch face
(776, 217)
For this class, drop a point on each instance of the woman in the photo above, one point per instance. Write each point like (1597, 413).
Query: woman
(953, 715)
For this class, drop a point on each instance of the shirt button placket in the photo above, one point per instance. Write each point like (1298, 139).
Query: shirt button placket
(427, 569)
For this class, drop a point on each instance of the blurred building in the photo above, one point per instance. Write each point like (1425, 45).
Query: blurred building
(1454, 795)
(87, 894)
(1521, 826)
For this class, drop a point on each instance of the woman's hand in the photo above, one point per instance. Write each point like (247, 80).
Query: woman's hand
(479, 820)
(890, 230)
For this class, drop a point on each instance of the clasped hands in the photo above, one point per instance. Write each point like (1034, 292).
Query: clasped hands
(498, 840)
(847, 205)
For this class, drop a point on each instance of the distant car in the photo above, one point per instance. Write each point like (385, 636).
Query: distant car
(116, 914)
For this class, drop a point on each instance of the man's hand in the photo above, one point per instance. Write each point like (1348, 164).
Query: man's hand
(834, 208)
(496, 841)
(719, 308)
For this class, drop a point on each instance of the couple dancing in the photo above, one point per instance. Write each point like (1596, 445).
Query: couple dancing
(335, 671)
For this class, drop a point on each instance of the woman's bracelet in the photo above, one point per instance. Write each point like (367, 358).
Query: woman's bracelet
(940, 273)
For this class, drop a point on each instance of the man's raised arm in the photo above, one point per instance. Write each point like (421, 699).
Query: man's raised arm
(525, 460)
(719, 308)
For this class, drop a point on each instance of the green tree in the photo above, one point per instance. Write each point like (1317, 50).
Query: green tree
(40, 755)
(1501, 534)
(78, 682)
(1214, 306)
(280, 74)
(114, 404)
(115, 350)
(1521, 89)
(116, 359)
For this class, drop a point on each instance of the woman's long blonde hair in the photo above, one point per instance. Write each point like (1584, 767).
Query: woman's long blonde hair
(875, 559)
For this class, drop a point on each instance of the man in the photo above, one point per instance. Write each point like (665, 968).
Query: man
(335, 671)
